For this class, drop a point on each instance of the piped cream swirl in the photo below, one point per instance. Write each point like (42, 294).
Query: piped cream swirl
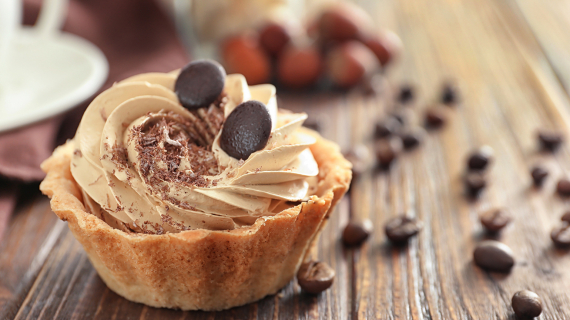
(156, 167)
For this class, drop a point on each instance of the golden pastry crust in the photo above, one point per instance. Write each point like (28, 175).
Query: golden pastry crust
(200, 269)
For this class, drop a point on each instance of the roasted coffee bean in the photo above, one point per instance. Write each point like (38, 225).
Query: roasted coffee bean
(450, 94)
(360, 158)
(406, 94)
(480, 158)
(413, 137)
(561, 235)
(538, 175)
(402, 228)
(246, 130)
(566, 217)
(526, 304)
(200, 83)
(563, 187)
(494, 256)
(312, 124)
(315, 276)
(495, 220)
(387, 127)
(356, 232)
(387, 150)
(550, 140)
(434, 118)
(474, 184)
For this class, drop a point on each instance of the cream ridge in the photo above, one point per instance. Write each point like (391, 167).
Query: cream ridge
(146, 164)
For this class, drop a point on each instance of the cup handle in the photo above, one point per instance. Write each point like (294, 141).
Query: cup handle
(52, 17)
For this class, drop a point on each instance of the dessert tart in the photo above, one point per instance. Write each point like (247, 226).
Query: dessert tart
(191, 190)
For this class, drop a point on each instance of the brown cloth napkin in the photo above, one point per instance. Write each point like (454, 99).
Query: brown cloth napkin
(136, 36)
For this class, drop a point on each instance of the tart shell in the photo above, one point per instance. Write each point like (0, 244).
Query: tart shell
(200, 269)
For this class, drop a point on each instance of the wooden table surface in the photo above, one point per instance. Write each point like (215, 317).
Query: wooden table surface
(512, 59)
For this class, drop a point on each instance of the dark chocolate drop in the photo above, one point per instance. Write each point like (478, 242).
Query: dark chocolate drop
(246, 130)
(200, 83)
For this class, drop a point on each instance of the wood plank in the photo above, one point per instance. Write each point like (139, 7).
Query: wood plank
(509, 94)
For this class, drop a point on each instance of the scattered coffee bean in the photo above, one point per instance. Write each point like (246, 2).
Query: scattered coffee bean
(387, 127)
(387, 150)
(406, 94)
(434, 118)
(312, 124)
(474, 184)
(526, 304)
(494, 256)
(412, 138)
(450, 94)
(356, 232)
(402, 228)
(200, 83)
(480, 159)
(563, 187)
(246, 130)
(566, 217)
(495, 220)
(550, 140)
(359, 156)
(561, 235)
(538, 175)
(315, 276)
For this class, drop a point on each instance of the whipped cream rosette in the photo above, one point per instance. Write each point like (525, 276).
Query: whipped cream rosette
(147, 164)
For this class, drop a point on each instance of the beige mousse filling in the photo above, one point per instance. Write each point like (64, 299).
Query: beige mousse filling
(147, 164)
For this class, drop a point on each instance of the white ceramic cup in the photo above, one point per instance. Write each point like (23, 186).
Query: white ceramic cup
(49, 22)
(10, 19)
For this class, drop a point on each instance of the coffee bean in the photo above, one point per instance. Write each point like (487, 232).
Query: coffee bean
(480, 158)
(356, 232)
(200, 83)
(561, 235)
(550, 140)
(474, 184)
(566, 217)
(494, 256)
(360, 158)
(434, 118)
(315, 276)
(387, 150)
(406, 94)
(246, 130)
(450, 94)
(495, 220)
(538, 175)
(402, 228)
(526, 304)
(312, 124)
(563, 187)
(387, 127)
(413, 137)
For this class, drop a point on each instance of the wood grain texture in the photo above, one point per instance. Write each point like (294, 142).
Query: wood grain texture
(511, 59)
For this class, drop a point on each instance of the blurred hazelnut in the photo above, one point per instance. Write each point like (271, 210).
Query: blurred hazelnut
(349, 62)
(243, 54)
(299, 67)
(343, 21)
(386, 46)
(274, 37)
